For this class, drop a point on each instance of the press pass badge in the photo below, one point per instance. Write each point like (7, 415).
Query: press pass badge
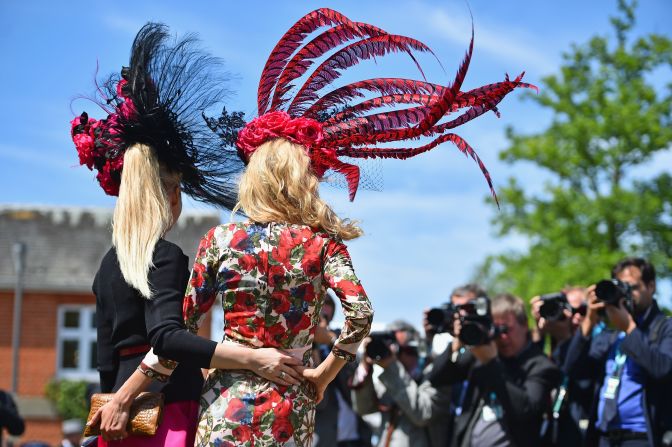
(492, 411)
(612, 388)
(489, 414)
(614, 380)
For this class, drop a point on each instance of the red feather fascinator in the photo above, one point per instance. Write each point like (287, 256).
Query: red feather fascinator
(348, 121)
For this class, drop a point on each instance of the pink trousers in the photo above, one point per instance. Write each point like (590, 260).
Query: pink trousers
(177, 429)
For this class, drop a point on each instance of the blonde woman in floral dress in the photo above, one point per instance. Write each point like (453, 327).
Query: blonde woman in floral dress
(271, 273)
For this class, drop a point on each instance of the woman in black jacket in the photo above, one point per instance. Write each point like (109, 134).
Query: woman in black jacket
(151, 145)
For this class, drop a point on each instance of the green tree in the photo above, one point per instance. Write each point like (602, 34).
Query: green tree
(608, 117)
(69, 397)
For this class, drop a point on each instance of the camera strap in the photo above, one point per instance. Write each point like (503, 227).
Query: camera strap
(558, 405)
(560, 398)
(391, 425)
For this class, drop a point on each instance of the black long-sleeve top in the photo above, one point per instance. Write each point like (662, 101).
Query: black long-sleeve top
(522, 385)
(127, 319)
(9, 416)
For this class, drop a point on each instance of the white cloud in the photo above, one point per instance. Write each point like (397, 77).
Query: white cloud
(499, 43)
(122, 23)
(417, 247)
(33, 157)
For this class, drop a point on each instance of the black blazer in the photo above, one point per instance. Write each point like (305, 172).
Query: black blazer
(9, 416)
(125, 319)
(522, 384)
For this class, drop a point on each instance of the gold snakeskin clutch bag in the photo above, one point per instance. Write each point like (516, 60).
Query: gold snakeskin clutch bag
(144, 418)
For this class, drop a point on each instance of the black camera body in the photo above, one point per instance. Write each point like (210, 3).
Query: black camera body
(553, 306)
(612, 291)
(441, 318)
(475, 319)
(477, 325)
(379, 346)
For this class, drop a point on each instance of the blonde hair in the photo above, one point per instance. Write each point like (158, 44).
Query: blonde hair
(142, 214)
(280, 186)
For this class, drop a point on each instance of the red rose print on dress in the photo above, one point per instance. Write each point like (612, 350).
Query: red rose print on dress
(247, 262)
(246, 303)
(262, 265)
(197, 275)
(280, 301)
(274, 334)
(237, 410)
(243, 433)
(303, 323)
(206, 243)
(273, 305)
(349, 288)
(305, 292)
(276, 275)
(239, 241)
(282, 429)
(231, 278)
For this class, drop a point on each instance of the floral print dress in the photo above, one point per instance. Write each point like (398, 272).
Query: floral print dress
(271, 279)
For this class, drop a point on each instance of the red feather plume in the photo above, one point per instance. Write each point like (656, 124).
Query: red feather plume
(351, 117)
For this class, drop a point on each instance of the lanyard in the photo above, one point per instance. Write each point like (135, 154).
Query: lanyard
(560, 397)
(619, 361)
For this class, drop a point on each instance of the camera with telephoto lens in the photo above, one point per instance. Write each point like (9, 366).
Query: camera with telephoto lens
(612, 291)
(477, 327)
(441, 318)
(553, 306)
(379, 346)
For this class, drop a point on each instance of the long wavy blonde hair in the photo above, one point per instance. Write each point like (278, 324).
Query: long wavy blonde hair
(279, 186)
(142, 214)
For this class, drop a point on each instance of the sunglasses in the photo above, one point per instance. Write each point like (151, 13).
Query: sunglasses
(581, 310)
(408, 350)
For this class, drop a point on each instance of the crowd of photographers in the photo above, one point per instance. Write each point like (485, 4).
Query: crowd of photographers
(594, 368)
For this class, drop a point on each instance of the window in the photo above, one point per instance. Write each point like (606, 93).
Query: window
(76, 343)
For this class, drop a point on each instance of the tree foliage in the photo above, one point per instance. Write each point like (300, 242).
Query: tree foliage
(69, 397)
(610, 117)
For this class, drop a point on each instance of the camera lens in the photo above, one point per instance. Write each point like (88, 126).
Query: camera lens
(553, 306)
(379, 346)
(435, 317)
(608, 291)
(377, 349)
(474, 334)
(551, 310)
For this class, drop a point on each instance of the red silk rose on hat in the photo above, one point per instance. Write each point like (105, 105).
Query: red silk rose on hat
(303, 131)
(97, 141)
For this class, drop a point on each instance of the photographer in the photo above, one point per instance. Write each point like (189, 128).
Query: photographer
(510, 379)
(10, 419)
(336, 423)
(632, 365)
(438, 322)
(558, 316)
(388, 380)
(439, 333)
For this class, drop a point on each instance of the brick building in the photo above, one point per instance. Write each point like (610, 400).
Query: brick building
(58, 335)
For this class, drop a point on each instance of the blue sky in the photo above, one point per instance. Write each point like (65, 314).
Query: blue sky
(428, 228)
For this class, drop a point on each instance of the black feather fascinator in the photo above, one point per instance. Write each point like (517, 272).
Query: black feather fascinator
(159, 100)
